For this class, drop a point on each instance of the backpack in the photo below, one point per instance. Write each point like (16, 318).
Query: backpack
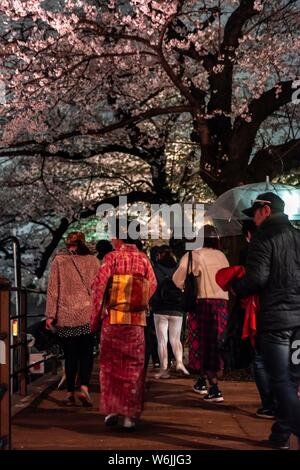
(169, 292)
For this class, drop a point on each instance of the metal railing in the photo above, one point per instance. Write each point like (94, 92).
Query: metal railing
(15, 367)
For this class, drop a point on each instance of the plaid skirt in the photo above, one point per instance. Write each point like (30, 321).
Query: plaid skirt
(122, 376)
(205, 326)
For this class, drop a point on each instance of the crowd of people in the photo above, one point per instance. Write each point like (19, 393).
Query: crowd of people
(137, 306)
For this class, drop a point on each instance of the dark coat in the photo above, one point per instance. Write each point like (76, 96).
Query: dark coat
(273, 272)
(175, 301)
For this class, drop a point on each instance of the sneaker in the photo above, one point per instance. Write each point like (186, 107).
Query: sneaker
(200, 387)
(266, 414)
(214, 395)
(128, 425)
(111, 420)
(162, 374)
(279, 443)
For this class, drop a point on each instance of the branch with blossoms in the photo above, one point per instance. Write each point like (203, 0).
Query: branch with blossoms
(275, 160)
(94, 70)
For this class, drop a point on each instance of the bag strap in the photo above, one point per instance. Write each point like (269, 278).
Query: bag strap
(80, 275)
(189, 268)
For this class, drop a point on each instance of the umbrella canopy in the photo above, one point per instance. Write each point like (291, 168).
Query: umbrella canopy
(229, 206)
(223, 227)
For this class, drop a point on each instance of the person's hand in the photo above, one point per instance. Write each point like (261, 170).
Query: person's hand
(49, 323)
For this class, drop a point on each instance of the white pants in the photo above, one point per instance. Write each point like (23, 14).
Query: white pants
(173, 324)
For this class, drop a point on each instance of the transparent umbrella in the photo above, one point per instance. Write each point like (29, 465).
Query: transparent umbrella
(229, 206)
(223, 227)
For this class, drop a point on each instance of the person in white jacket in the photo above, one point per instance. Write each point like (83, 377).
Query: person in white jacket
(209, 320)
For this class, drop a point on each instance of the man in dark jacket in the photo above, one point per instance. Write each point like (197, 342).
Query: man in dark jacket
(273, 272)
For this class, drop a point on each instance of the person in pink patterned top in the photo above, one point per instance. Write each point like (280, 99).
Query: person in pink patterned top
(68, 310)
(122, 346)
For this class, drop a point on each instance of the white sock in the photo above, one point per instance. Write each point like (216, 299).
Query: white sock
(128, 423)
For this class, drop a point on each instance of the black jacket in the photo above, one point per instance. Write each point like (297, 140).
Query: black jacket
(172, 304)
(273, 272)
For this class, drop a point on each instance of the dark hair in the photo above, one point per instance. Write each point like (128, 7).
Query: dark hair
(81, 248)
(154, 250)
(211, 238)
(139, 245)
(248, 226)
(212, 242)
(103, 247)
(178, 247)
(166, 257)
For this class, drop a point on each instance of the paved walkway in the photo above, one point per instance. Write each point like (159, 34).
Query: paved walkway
(174, 418)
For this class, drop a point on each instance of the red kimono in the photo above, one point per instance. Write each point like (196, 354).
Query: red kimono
(122, 346)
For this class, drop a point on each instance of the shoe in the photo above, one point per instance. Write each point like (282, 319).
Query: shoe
(279, 444)
(156, 365)
(181, 368)
(111, 420)
(162, 374)
(128, 425)
(85, 399)
(200, 387)
(214, 395)
(69, 401)
(266, 414)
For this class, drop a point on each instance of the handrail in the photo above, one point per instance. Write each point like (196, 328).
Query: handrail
(9, 374)
(16, 258)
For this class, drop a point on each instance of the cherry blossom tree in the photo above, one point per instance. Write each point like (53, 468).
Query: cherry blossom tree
(104, 74)
(45, 197)
(141, 98)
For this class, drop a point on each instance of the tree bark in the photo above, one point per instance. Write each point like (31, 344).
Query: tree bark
(56, 238)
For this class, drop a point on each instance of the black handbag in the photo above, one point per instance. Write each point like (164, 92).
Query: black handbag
(190, 287)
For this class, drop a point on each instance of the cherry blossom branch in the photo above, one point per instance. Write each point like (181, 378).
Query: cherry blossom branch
(168, 69)
(125, 122)
(275, 160)
(56, 238)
